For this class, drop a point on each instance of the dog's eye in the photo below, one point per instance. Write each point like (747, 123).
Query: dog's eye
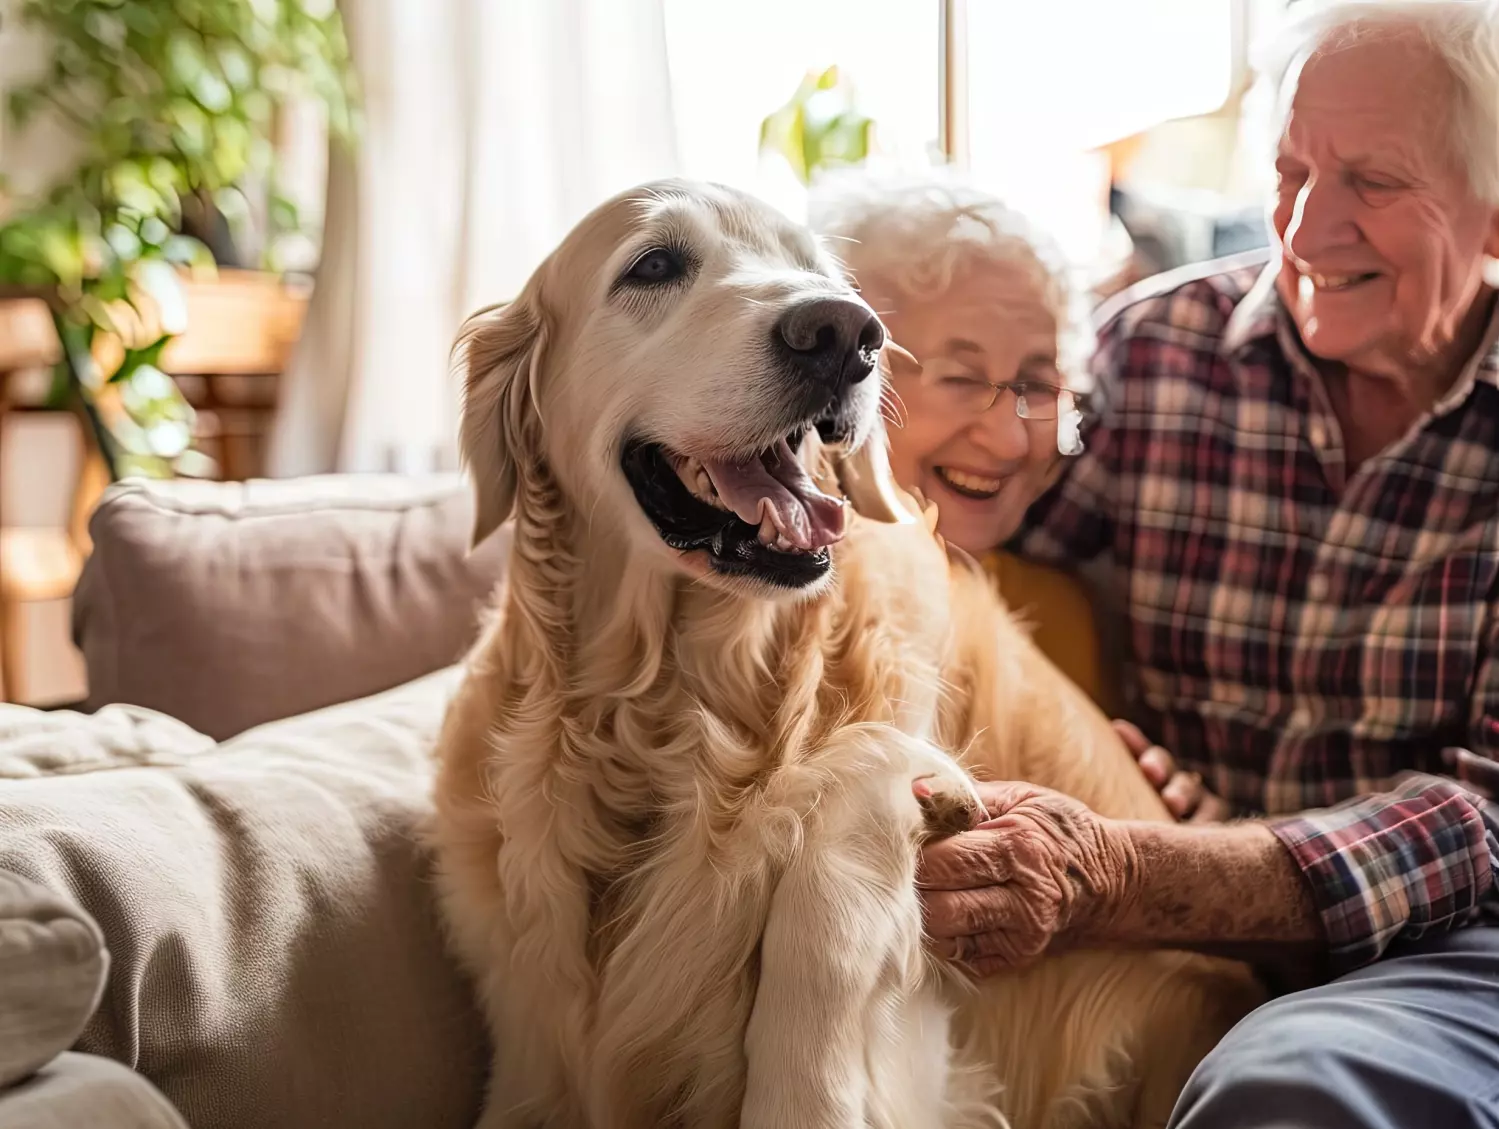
(656, 266)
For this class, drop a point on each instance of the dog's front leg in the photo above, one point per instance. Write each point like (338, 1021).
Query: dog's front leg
(821, 955)
(845, 1033)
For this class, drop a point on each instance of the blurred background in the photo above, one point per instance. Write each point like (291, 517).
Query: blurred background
(237, 236)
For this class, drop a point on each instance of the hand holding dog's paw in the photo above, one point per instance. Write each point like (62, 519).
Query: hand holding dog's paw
(947, 806)
(1042, 867)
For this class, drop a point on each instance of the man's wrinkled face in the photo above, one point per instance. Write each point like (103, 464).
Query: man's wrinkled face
(1383, 237)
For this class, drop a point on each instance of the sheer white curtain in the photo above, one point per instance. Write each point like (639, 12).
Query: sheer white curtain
(491, 126)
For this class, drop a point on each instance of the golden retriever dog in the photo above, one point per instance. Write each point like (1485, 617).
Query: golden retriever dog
(675, 825)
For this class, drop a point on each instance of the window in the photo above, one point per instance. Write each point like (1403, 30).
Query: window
(1078, 74)
(1049, 83)
(732, 64)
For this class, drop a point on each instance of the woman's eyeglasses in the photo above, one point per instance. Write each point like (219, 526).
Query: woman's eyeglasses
(1034, 399)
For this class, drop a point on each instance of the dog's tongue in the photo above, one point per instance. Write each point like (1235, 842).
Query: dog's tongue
(774, 485)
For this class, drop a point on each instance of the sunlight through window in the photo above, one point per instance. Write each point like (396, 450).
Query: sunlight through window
(1048, 83)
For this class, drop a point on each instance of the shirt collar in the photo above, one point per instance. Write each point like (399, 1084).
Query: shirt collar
(1258, 312)
(1481, 367)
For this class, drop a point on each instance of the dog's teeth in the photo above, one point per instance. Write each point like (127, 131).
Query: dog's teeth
(768, 532)
(699, 483)
(768, 516)
(774, 535)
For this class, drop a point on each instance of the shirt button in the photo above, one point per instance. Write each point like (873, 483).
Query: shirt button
(1317, 586)
(1318, 432)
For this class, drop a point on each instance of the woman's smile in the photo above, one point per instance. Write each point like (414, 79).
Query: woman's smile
(968, 484)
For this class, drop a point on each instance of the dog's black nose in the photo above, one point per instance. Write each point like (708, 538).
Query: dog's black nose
(831, 340)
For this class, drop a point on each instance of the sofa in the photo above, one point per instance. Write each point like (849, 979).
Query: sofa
(215, 909)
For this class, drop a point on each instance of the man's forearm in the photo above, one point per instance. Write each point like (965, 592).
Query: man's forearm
(1229, 889)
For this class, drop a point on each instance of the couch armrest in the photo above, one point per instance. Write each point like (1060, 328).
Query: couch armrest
(52, 969)
(76, 1090)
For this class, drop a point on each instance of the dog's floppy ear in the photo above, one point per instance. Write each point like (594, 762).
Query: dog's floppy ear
(864, 474)
(500, 350)
(866, 481)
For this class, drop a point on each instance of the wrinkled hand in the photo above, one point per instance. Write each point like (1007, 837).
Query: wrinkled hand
(1042, 865)
(1184, 793)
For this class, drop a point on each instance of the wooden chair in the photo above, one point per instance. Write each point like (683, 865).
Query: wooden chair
(40, 563)
(36, 564)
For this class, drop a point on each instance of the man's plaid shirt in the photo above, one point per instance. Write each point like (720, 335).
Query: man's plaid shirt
(1306, 638)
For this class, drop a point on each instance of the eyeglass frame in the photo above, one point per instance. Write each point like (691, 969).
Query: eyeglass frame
(1069, 420)
(1017, 387)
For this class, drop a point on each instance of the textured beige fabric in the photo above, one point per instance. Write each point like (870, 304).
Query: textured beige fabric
(77, 1091)
(34, 743)
(52, 964)
(275, 953)
(227, 605)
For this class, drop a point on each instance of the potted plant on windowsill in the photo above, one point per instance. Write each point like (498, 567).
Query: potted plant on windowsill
(173, 107)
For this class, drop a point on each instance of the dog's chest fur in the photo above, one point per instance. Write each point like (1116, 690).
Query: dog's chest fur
(737, 700)
(677, 773)
(624, 804)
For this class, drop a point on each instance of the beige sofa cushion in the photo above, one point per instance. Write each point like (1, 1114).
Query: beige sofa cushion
(227, 605)
(275, 954)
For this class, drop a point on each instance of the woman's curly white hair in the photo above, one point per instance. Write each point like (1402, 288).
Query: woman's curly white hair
(917, 236)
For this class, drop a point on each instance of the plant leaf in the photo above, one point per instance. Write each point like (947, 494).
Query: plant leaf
(150, 355)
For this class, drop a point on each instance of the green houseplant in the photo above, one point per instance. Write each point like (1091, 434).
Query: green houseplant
(819, 127)
(173, 104)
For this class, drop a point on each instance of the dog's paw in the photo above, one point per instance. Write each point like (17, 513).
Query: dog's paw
(947, 797)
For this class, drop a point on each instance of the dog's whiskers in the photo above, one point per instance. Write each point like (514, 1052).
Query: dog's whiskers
(892, 407)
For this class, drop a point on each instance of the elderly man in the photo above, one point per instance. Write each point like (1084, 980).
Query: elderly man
(1296, 481)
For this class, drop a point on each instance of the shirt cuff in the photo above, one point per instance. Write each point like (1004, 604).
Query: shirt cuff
(1397, 865)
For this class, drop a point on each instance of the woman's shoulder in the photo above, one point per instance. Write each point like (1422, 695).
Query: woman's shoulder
(1056, 609)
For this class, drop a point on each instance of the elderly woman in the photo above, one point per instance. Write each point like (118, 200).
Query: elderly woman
(984, 301)
(1295, 480)
(981, 299)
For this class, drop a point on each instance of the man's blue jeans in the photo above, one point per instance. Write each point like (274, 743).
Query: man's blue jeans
(1409, 1042)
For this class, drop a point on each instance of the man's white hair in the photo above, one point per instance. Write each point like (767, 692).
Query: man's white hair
(1462, 34)
(916, 236)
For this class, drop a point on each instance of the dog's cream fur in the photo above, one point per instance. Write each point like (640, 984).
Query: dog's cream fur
(676, 833)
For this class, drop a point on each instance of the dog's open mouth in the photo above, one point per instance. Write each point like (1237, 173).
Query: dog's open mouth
(761, 517)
